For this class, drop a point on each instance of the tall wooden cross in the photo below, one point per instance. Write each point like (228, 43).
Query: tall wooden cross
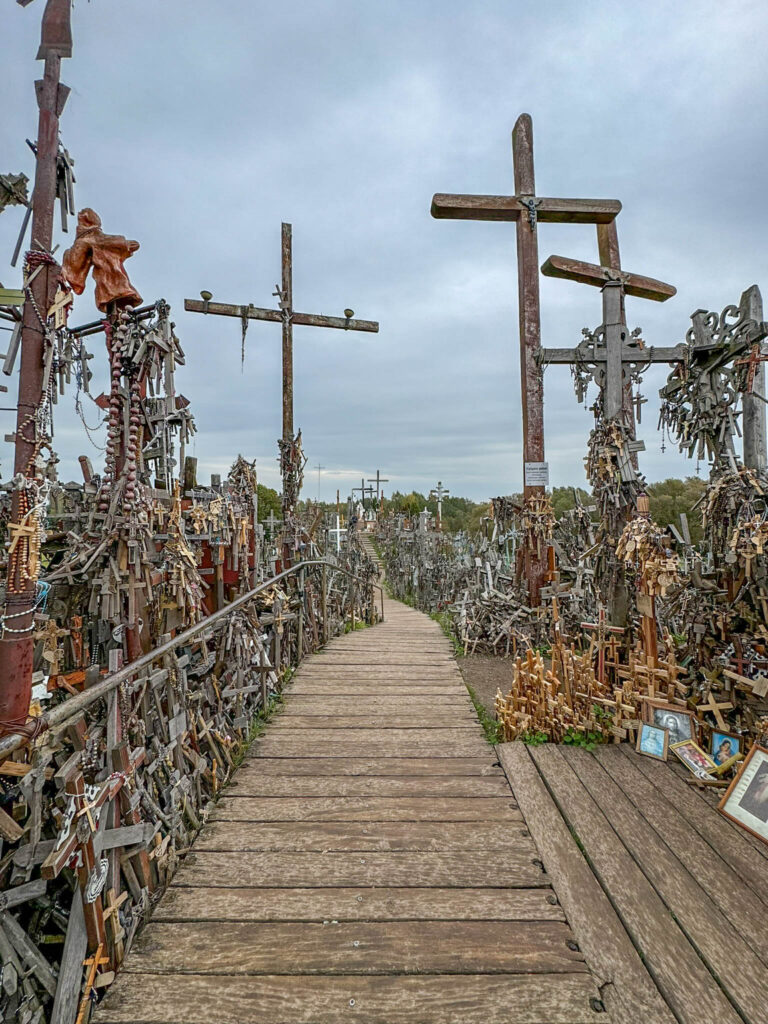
(526, 209)
(287, 316)
(363, 491)
(378, 480)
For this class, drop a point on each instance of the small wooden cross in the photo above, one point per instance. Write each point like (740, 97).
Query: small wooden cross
(92, 963)
(711, 705)
(59, 310)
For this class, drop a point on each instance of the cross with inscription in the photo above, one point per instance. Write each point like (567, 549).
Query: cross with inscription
(526, 209)
(285, 315)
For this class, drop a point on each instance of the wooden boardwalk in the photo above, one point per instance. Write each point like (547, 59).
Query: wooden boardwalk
(369, 864)
(668, 899)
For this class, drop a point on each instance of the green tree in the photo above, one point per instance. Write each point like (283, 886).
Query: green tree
(269, 501)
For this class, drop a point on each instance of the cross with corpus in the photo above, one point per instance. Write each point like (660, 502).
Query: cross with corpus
(286, 316)
(363, 491)
(437, 494)
(526, 209)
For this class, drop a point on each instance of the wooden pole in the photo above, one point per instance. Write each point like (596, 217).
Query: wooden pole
(529, 314)
(753, 403)
(17, 648)
(287, 308)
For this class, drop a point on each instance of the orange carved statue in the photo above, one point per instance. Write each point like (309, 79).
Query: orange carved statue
(105, 254)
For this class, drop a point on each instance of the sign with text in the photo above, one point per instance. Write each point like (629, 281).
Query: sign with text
(537, 474)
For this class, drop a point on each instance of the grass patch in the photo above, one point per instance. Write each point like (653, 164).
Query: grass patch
(444, 621)
(256, 727)
(494, 732)
(534, 738)
(349, 628)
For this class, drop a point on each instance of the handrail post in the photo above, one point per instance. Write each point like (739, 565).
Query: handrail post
(354, 603)
(324, 604)
(300, 621)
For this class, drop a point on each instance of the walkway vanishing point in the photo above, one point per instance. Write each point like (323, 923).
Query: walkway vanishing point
(371, 864)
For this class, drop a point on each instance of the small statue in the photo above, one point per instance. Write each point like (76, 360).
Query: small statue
(105, 254)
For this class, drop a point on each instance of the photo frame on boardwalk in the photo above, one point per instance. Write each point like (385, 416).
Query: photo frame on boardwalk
(652, 741)
(694, 758)
(678, 721)
(723, 746)
(746, 799)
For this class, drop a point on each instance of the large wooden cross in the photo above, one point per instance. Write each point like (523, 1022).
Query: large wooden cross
(378, 480)
(526, 209)
(287, 316)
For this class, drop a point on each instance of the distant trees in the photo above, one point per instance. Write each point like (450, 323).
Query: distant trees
(668, 499)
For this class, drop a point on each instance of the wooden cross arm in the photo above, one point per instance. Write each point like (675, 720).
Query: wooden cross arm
(276, 316)
(629, 354)
(573, 211)
(590, 273)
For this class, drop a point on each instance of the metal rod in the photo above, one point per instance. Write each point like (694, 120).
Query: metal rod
(76, 704)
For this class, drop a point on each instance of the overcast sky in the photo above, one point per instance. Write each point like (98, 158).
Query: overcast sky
(197, 127)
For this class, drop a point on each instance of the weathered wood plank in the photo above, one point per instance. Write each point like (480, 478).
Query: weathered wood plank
(290, 720)
(291, 746)
(350, 836)
(373, 808)
(726, 839)
(392, 739)
(682, 978)
(627, 989)
(309, 870)
(717, 878)
(376, 766)
(728, 956)
(435, 999)
(358, 905)
(250, 782)
(509, 208)
(360, 947)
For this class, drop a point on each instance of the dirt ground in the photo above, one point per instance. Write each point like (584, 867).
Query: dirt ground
(486, 674)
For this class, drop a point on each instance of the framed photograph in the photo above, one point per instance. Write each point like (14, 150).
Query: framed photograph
(652, 741)
(679, 722)
(724, 745)
(694, 758)
(746, 799)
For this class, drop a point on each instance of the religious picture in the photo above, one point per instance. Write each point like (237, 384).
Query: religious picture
(677, 721)
(746, 799)
(653, 741)
(694, 758)
(724, 746)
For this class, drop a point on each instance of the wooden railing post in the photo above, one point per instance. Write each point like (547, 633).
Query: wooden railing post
(300, 620)
(324, 604)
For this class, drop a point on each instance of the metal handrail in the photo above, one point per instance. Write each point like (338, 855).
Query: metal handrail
(83, 700)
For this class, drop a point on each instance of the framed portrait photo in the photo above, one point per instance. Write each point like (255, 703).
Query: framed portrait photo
(694, 758)
(746, 799)
(724, 745)
(652, 741)
(679, 722)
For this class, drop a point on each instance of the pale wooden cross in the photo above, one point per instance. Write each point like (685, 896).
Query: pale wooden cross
(526, 209)
(272, 521)
(711, 705)
(438, 493)
(601, 631)
(286, 316)
(59, 310)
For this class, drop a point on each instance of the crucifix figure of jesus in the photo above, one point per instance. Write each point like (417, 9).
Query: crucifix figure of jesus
(438, 493)
(287, 317)
(526, 209)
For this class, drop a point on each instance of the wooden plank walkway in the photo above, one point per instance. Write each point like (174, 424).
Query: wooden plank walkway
(369, 864)
(666, 897)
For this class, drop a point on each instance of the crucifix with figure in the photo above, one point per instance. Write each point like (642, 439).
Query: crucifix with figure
(287, 317)
(526, 209)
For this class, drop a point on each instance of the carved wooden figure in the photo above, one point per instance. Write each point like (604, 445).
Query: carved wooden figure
(105, 255)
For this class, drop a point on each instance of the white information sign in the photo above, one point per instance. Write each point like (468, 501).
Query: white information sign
(537, 474)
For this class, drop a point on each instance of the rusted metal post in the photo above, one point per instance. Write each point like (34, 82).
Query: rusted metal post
(529, 312)
(17, 648)
(287, 308)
